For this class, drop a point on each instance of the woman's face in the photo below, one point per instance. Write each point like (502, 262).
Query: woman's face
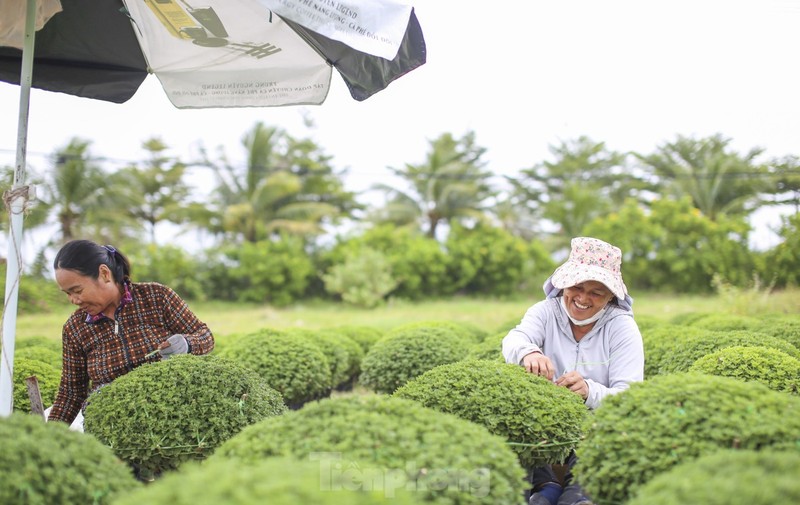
(586, 299)
(92, 295)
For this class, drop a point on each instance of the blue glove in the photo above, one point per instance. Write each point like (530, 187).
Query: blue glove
(177, 345)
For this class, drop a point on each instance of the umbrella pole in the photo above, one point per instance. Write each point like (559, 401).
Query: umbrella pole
(15, 201)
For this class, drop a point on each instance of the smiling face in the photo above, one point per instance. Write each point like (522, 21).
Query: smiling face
(92, 295)
(586, 299)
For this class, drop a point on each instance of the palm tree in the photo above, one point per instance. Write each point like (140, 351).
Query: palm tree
(717, 179)
(287, 185)
(450, 185)
(77, 189)
(584, 181)
(155, 192)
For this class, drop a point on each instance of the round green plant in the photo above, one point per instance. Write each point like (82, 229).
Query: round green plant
(39, 341)
(675, 349)
(726, 322)
(469, 332)
(46, 464)
(688, 318)
(364, 336)
(445, 459)
(403, 355)
(783, 327)
(645, 322)
(40, 353)
(671, 419)
(726, 477)
(355, 354)
(541, 421)
(771, 367)
(164, 413)
(491, 349)
(294, 365)
(273, 481)
(47, 376)
(343, 353)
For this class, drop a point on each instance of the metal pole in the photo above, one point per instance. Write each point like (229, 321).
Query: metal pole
(16, 206)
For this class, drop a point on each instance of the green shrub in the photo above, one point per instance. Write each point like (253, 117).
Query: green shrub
(771, 367)
(446, 459)
(418, 263)
(647, 322)
(402, 355)
(170, 265)
(784, 327)
(473, 330)
(782, 261)
(39, 353)
(363, 280)
(672, 246)
(269, 271)
(508, 325)
(670, 419)
(727, 322)
(726, 477)
(688, 318)
(47, 375)
(468, 332)
(660, 343)
(675, 348)
(696, 348)
(485, 260)
(274, 481)
(47, 464)
(36, 294)
(39, 341)
(490, 349)
(355, 354)
(344, 356)
(162, 414)
(364, 336)
(542, 421)
(294, 365)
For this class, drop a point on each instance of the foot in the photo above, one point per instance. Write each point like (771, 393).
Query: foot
(538, 499)
(573, 495)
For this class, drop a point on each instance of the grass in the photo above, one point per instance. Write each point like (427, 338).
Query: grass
(492, 315)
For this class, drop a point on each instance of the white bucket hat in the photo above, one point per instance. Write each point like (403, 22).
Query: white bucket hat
(591, 260)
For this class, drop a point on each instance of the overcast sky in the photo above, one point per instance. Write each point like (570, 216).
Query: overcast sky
(522, 75)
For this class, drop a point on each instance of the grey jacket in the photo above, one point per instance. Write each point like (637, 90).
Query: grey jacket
(609, 357)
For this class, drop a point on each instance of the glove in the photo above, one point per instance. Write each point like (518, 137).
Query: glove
(177, 345)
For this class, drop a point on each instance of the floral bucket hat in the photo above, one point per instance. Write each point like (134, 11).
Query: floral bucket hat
(591, 260)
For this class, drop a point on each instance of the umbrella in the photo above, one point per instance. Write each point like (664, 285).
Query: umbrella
(223, 53)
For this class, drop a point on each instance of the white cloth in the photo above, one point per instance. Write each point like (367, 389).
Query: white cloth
(77, 424)
(610, 357)
(12, 19)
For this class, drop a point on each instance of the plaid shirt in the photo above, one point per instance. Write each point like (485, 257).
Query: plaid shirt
(97, 352)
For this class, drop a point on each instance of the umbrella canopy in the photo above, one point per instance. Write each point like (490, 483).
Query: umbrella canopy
(229, 53)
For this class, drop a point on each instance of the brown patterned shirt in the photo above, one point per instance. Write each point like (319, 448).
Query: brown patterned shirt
(96, 353)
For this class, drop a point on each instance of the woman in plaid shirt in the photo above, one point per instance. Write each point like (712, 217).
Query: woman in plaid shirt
(118, 325)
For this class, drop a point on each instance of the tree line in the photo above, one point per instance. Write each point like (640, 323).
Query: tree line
(680, 214)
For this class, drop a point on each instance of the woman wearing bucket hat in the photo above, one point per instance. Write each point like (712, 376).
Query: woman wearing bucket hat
(583, 337)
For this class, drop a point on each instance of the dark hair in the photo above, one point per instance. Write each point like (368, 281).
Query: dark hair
(85, 257)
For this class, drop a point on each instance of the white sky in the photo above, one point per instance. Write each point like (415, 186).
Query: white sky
(521, 74)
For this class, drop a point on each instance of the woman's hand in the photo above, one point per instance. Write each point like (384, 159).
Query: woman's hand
(575, 382)
(539, 364)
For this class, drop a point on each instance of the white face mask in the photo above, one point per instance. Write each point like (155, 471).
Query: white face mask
(583, 322)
